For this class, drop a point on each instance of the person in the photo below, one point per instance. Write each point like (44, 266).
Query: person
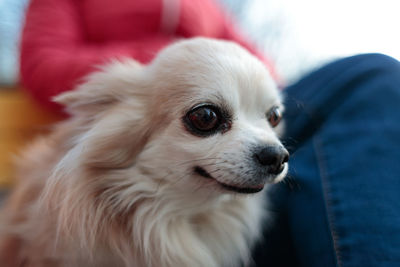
(340, 205)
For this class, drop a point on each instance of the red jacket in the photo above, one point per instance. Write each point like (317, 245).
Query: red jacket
(64, 40)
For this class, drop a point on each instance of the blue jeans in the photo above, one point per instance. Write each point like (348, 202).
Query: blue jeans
(341, 203)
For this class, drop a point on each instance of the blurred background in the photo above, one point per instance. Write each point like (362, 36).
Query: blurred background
(301, 35)
(11, 17)
(298, 36)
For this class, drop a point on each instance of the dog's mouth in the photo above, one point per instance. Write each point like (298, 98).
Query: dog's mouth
(242, 190)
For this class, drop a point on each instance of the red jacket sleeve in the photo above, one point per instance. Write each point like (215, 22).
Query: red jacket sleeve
(55, 54)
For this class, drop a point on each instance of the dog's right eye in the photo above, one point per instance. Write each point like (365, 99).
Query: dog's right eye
(205, 120)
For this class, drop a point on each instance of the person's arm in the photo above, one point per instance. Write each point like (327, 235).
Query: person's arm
(55, 54)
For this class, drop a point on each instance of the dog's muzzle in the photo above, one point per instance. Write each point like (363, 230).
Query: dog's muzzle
(269, 162)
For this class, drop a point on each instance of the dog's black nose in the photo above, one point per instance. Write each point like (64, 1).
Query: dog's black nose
(272, 157)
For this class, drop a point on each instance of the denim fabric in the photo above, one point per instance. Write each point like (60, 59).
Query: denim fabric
(341, 203)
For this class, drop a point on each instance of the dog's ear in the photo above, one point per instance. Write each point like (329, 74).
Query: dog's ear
(117, 138)
(102, 88)
(113, 107)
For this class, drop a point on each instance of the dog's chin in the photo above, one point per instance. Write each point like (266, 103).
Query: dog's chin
(242, 189)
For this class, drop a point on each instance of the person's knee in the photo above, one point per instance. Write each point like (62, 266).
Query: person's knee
(378, 83)
(376, 75)
(380, 63)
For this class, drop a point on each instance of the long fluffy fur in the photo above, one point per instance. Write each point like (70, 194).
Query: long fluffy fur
(112, 185)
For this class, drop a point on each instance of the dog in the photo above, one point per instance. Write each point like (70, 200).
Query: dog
(158, 165)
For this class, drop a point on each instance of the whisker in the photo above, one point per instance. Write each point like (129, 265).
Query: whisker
(195, 160)
(213, 163)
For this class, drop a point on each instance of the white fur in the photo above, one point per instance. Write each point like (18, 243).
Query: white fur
(114, 185)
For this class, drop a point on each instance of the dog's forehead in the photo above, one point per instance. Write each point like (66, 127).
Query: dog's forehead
(242, 85)
(213, 71)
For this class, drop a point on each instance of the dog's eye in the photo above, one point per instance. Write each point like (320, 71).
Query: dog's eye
(203, 119)
(274, 116)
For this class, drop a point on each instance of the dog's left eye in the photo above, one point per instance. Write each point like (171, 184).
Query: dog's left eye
(274, 116)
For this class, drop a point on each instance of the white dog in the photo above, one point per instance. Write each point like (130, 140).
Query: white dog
(159, 165)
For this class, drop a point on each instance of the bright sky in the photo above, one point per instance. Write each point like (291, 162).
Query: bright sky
(319, 30)
(347, 26)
